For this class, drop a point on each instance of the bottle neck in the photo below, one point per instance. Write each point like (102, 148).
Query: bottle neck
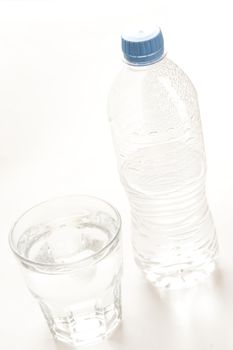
(142, 67)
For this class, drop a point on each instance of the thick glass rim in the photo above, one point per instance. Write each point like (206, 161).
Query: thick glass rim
(65, 264)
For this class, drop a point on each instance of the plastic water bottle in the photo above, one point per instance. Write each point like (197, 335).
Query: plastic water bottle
(154, 115)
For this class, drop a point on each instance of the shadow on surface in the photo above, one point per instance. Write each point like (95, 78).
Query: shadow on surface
(192, 319)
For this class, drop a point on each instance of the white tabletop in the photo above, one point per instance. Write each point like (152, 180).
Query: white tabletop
(56, 67)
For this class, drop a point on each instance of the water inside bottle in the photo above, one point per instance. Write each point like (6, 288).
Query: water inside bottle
(174, 236)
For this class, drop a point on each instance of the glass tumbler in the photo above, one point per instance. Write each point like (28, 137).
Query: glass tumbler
(69, 249)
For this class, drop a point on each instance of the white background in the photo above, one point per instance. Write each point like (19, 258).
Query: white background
(57, 62)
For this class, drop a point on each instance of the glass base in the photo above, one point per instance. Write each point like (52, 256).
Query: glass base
(84, 324)
(89, 330)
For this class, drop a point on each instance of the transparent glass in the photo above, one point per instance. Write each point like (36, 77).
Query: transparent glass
(70, 252)
(157, 133)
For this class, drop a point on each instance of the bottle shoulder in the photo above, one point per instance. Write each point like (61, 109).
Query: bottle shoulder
(163, 75)
(155, 105)
(161, 87)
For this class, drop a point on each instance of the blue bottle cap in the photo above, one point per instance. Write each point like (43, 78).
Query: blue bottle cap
(143, 47)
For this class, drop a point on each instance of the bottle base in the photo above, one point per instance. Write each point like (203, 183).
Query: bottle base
(178, 276)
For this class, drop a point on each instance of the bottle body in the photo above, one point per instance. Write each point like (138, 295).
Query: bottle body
(157, 134)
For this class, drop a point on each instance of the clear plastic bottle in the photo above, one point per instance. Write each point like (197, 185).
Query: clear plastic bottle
(154, 115)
